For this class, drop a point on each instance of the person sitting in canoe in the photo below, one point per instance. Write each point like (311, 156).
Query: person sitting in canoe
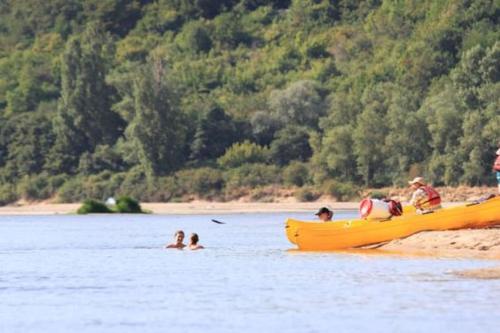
(324, 214)
(178, 241)
(425, 198)
(193, 242)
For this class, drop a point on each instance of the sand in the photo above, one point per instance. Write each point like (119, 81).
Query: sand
(483, 273)
(465, 243)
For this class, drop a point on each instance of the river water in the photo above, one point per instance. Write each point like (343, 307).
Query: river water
(110, 274)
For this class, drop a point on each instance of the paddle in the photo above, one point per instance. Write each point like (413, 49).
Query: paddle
(218, 222)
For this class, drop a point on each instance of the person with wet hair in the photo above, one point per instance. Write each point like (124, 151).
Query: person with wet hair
(193, 242)
(178, 241)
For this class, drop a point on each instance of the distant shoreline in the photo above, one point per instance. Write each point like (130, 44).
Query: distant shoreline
(194, 207)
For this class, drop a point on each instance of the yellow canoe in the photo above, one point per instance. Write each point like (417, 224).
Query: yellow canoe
(338, 235)
(292, 225)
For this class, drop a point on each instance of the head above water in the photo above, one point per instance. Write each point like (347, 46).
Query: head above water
(324, 214)
(179, 236)
(194, 239)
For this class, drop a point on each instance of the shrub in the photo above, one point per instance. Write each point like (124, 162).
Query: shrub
(252, 175)
(296, 173)
(243, 153)
(378, 195)
(33, 188)
(204, 182)
(93, 206)
(71, 191)
(263, 194)
(39, 187)
(128, 205)
(134, 183)
(306, 195)
(99, 186)
(163, 189)
(7, 194)
(341, 191)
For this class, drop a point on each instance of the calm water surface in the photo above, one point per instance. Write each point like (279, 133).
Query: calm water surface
(110, 274)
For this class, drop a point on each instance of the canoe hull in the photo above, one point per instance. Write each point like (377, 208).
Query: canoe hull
(314, 236)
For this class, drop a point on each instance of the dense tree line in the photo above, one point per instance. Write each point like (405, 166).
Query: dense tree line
(168, 98)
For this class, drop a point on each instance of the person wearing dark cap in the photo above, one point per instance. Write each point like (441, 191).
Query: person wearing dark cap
(324, 214)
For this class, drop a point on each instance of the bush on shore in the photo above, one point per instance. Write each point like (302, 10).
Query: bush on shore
(124, 204)
(128, 205)
(7, 194)
(90, 206)
(306, 195)
(341, 191)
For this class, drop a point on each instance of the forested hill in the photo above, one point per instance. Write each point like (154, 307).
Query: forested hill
(169, 98)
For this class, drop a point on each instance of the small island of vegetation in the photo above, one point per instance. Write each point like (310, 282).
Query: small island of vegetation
(124, 205)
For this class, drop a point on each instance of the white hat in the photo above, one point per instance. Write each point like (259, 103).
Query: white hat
(417, 180)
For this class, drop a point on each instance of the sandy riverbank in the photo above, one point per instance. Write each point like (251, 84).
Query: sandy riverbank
(466, 243)
(195, 207)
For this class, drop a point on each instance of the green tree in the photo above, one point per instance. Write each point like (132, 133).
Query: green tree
(369, 138)
(84, 118)
(27, 139)
(291, 144)
(158, 129)
(215, 132)
(300, 103)
(194, 38)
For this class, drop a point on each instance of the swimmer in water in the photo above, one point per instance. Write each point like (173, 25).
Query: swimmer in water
(178, 239)
(193, 242)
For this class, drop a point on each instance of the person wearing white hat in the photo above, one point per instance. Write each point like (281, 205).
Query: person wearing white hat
(496, 167)
(425, 198)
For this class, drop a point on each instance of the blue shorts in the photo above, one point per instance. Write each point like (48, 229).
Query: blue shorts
(498, 177)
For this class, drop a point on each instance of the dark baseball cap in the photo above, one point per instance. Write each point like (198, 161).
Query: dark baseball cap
(323, 210)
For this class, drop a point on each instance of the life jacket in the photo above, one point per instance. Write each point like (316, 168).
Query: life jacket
(496, 165)
(432, 201)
